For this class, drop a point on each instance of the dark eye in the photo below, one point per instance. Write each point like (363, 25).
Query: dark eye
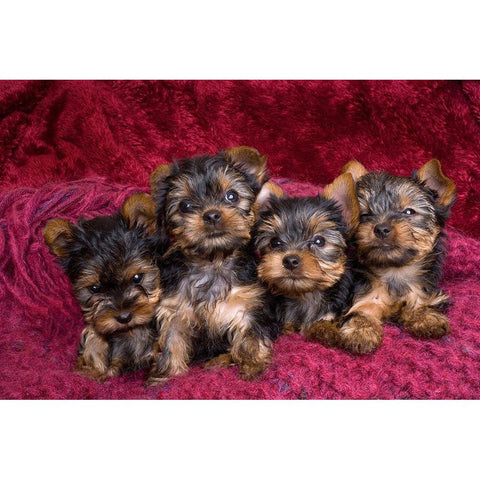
(275, 243)
(185, 206)
(231, 196)
(318, 241)
(94, 288)
(364, 217)
(409, 211)
(137, 278)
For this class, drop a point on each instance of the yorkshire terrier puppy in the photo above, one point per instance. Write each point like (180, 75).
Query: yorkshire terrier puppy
(400, 251)
(304, 261)
(111, 262)
(212, 302)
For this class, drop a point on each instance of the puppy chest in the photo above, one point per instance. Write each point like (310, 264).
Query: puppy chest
(401, 283)
(235, 311)
(206, 284)
(303, 311)
(133, 347)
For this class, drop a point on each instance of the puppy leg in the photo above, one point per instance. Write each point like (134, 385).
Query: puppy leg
(361, 330)
(174, 344)
(142, 350)
(92, 360)
(116, 366)
(238, 315)
(251, 353)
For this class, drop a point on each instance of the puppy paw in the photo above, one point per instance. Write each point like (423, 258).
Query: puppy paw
(324, 332)
(426, 323)
(221, 361)
(251, 371)
(159, 376)
(361, 334)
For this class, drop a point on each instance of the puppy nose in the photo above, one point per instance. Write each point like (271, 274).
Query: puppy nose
(212, 217)
(124, 317)
(382, 230)
(291, 262)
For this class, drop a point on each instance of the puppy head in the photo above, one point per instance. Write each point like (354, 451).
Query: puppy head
(401, 217)
(208, 203)
(111, 264)
(302, 241)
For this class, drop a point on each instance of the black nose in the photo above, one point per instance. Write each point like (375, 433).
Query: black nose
(124, 317)
(291, 261)
(212, 217)
(382, 230)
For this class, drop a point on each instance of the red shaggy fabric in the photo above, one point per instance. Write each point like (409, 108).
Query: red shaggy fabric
(69, 149)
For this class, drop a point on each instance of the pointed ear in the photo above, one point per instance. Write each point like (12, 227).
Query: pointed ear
(355, 169)
(433, 177)
(139, 209)
(269, 190)
(158, 176)
(343, 191)
(58, 235)
(249, 160)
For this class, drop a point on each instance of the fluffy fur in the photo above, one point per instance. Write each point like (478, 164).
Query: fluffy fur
(111, 262)
(78, 148)
(304, 262)
(400, 252)
(212, 302)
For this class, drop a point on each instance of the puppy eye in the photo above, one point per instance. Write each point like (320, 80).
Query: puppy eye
(137, 278)
(231, 196)
(185, 206)
(275, 243)
(318, 241)
(94, 288)
(409, 211)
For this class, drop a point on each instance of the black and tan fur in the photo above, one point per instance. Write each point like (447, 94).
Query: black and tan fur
(304, 258)
(400, 251)
(111, 262)
(213, 303)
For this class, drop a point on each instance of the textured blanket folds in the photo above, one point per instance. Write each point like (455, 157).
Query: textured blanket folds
(70, 149)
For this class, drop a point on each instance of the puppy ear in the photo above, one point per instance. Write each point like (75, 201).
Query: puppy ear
(433, 177)
(139, 209)
(268, 192)
(342, 191)
(158, 176)
(58, 235)
(249, 160)
(355, 169)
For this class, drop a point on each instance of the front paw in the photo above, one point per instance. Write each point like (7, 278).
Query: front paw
(325, 332)
(426, 323)
(115, 368)
(361, 334)
(223, 360)
(89, 369)
(161, 375)
(251, 371)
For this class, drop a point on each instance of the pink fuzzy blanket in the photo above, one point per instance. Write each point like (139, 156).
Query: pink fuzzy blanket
(69, 149)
